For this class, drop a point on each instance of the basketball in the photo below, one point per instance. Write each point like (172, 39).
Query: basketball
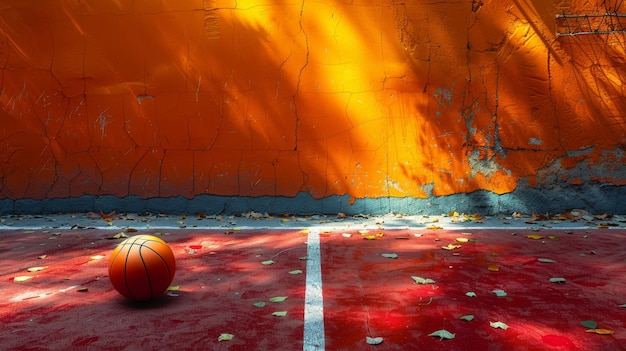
(142, 267)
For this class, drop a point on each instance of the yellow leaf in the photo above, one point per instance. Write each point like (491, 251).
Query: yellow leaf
(305, 231)
(173, 287)
(369, 237)
(451, 247)
(601, 331)
(225, 337)
(21, 278)
(534, 237)
(493, 268)
(434, 227)
(36, 269)
(462, 240)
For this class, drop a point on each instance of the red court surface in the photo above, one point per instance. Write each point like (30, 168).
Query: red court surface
(69, 304)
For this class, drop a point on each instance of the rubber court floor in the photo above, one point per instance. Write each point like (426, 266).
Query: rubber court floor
(319, 285)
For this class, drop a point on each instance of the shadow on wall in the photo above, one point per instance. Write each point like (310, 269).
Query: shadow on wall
(356, 101)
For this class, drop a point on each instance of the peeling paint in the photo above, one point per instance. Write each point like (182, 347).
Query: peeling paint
(362, 100)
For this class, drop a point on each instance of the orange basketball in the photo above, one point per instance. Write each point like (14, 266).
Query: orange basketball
(142, 267)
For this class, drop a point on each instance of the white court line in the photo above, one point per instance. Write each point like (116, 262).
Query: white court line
(313, 298)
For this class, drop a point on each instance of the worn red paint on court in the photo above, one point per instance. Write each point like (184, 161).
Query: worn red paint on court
(221, 276)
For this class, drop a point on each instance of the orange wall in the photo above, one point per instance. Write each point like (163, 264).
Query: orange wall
(365, 98)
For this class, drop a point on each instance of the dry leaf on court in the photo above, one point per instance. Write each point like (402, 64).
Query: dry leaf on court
(225, 337)
(373, 341)
(442, 334)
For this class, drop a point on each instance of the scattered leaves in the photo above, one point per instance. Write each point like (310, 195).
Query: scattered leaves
(420, 280)
(469, 317)
(259, 304)
(389, 255)
(225, 337)
(296, 271)
(278, 299)
(442, 334)
(373, 341)
(498, 325)
(279, 313)
(267, 263)
(534, 237)
(451, 247)
(462, 240)
(557, 280)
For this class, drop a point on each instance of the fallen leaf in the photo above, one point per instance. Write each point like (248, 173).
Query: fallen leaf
(546, 260)
(557, 280)
(305, 231)
(470, 294)
(601, 331)
(173, 288)
(553, 237)
(420, 280)
(589, 324)
(493, 268)
(42, 257)
(259, 304)
(225, 337)
(118, 236)
(499, 293)
(278, 299)
(623, 306)
(434, 227)
(297, 271)
(83, 289)
(267, 263)
(462, 240)
(96, 258)
(373, 341)
(534, 237)
(389, 255)
(499, 325)
(469, 317)
(451, 247)
(369, 237)
(279, 313)
(442, 334)
(21, 278)
(36, 269)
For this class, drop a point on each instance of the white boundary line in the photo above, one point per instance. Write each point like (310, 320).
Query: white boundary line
(313, 298)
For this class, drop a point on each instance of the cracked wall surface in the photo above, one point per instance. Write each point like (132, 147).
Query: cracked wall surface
(351, 99)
